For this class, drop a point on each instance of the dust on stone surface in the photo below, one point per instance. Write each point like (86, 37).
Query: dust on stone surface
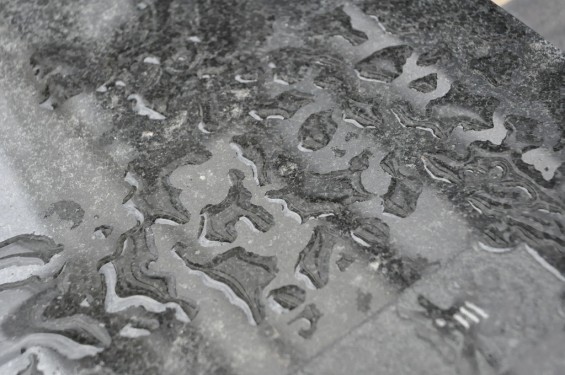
(256, 187)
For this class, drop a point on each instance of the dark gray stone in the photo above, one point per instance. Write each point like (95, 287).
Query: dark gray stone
(258, 187)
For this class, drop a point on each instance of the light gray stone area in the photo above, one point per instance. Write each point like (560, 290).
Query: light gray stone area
(257, 187)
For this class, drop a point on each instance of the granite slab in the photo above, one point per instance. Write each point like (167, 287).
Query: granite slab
(279, 187)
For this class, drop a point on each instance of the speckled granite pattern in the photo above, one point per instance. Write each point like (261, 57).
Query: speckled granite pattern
(279, 187)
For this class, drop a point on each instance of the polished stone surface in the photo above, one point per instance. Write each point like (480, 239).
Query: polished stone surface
(545, 17)
(273, 187)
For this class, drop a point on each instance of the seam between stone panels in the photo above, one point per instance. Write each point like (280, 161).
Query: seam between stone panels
(375, 314)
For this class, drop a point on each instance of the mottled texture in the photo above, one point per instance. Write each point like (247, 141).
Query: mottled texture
(261, 187)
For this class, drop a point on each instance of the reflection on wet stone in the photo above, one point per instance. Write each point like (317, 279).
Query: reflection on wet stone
(279, 188)
(131, 260)
(314, 260)
(344, 262)
(219, 220)
(312, 315)
(285, 105)
(289, 296)
(384, 65)
(317, 131)
(315, 194)
(104, 230)
(29, 245)
(68, 211)
(245, 274)
(425, 84)
(405, 186)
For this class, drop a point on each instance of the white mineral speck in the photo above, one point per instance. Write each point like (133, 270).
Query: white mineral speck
(152, 60)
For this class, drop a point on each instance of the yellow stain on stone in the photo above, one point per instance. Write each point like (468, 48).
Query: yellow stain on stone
(501, 2)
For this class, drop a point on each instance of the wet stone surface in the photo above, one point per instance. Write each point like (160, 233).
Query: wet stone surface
(260, 187)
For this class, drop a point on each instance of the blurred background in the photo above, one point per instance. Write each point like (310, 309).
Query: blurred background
(547, 17)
